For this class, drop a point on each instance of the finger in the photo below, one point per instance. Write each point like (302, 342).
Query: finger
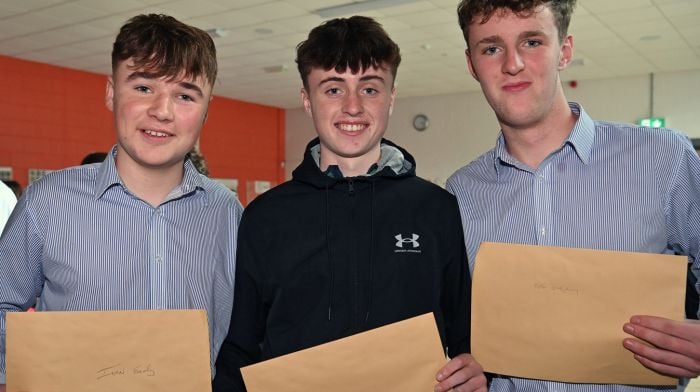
(665, 341)
(688, 329)
(666, 362)
(474, 384)
(668, 370)
(452, 366)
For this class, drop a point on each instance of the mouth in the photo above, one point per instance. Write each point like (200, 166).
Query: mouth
(351, 128)
(155, 133)
(516, 87)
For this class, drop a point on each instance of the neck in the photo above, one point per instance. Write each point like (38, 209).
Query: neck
(532, 144)
(351, 166)
(151, 185)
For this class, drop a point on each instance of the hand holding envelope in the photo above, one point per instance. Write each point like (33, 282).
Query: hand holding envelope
(675, 345)
(557, 313)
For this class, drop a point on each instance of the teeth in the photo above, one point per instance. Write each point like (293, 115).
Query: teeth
(351, 127)
(155, 133)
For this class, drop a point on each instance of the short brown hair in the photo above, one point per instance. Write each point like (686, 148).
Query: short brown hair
(164, 46)
(357, 43)
(468, 10)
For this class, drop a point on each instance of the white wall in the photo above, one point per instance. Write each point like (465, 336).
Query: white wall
(462, 126)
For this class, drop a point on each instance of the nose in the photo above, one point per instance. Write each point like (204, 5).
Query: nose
(352, 104)
(513, 62)
(161, 107)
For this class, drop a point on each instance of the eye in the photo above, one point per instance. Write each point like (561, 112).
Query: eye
(489, 51)
(370, 91)
(533, 43)
(142, 89)
(186, 97)
(333, 91)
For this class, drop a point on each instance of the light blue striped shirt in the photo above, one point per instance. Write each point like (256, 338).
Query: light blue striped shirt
(609, 186)
(79, 240)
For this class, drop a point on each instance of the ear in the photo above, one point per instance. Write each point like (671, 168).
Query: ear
(470, 66)
(306, 101)
(109, 94)
(566, 52)
(393, 98)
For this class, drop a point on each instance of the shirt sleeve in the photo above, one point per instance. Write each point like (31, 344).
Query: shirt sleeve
(21, 279)
(683, 219)
(242, 344)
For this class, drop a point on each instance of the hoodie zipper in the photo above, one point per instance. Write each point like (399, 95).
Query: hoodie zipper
(351, 187)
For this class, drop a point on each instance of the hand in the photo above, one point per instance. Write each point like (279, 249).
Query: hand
(673, 347)
(463, 374)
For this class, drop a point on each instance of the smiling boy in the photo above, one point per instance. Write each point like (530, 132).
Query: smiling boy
(143, 229)
(323, 256)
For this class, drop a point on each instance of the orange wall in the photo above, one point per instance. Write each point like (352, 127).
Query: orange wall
(51, 117)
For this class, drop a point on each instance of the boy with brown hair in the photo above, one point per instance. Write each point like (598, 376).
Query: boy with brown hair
(143, 229)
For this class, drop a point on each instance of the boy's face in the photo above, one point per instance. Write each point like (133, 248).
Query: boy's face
(157, 121)
(350, 112)
(517, 62)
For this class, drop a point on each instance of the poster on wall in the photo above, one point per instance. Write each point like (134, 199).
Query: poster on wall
(257, 188)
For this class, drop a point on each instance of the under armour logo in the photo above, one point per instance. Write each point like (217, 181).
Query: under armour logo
(413, 240)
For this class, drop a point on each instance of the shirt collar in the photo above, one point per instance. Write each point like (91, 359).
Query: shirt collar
(107, 176)
(581, 139)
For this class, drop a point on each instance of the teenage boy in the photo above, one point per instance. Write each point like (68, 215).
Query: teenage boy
(143, 229)
(558, 178)
(355, 240)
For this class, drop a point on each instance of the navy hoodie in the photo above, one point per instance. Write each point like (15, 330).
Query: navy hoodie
(322, 257)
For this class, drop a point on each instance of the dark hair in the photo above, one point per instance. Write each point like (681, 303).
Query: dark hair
(15, 186)
(94, 157)
(469, 10)
(164, 46)
(357, 43)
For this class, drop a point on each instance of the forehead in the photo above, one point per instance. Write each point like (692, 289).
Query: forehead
(505, 21)
(320, 75)
(126, 71)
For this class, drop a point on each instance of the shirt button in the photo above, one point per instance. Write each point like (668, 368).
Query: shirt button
(543, 231)
(159, 259)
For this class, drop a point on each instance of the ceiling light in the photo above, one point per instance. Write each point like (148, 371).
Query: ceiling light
(217, 32)
(275, 68)
(356, 7)
(648, 38)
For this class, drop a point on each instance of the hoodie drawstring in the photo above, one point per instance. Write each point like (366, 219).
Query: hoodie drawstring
(328, 253)
(370, 286)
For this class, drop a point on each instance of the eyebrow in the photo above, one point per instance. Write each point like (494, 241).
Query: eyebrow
(149, 75)
(496, 39)
(362, 79)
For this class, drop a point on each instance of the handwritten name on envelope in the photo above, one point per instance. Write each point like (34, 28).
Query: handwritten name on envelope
(404, 356)
(144, 350)
(557, 313)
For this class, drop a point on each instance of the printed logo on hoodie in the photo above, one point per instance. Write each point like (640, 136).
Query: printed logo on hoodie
(408, 244)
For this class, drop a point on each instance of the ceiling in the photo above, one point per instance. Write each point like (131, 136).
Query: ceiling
(612, 38)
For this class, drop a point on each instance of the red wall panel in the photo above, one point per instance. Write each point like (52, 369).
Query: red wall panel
(51, 117)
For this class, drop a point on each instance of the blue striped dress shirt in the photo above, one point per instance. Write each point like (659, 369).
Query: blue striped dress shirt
(609, 186)
(79, 240)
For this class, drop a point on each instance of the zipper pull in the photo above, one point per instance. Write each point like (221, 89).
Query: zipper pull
(351, 187)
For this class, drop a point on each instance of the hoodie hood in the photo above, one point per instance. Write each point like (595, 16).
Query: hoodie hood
(394, 161)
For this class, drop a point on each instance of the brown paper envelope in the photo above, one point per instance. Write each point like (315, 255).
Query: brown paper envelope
(403, 356)
(145, 350)
(557, 313)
